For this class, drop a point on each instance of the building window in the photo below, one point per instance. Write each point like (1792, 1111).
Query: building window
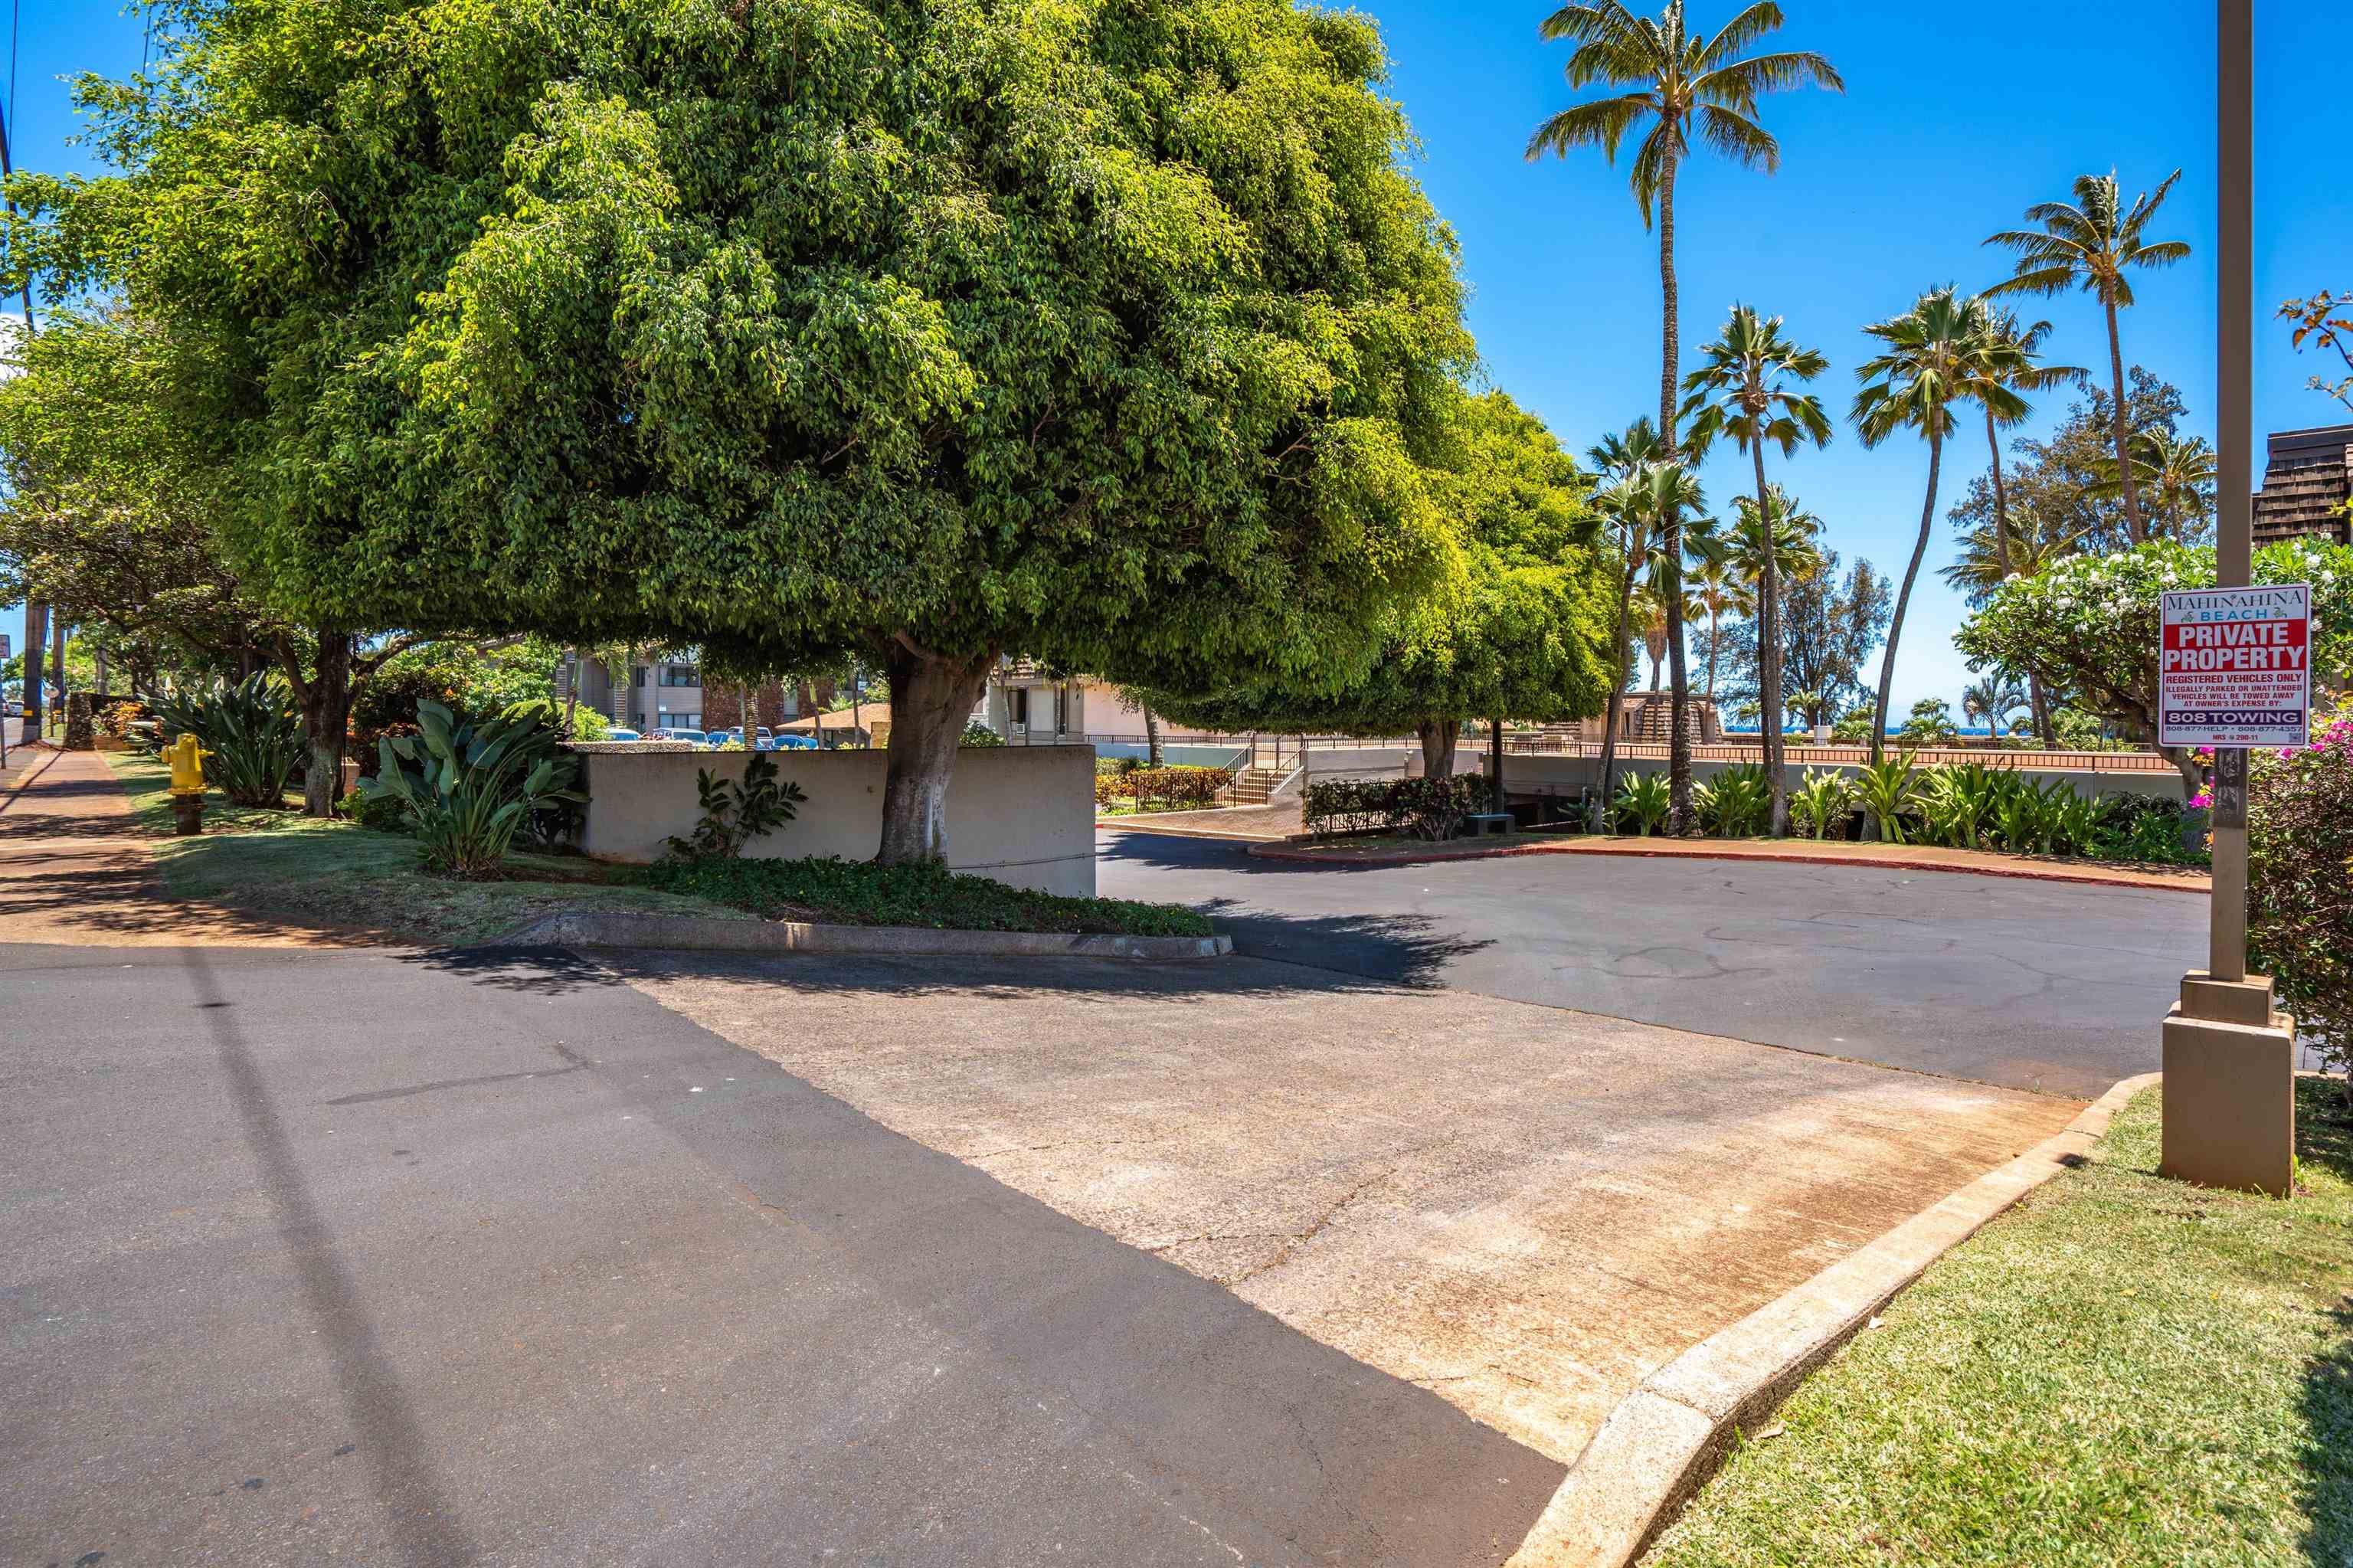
(638, 718)
(681, 675)
(638, 678)
(665, 719)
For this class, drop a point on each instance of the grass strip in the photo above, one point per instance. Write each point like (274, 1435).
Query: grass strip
(277, 864)
(860, 892)
(2122, 1371)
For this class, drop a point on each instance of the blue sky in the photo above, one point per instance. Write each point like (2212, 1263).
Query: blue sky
(1954, 119)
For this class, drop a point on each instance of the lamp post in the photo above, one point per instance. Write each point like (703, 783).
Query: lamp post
(2229, 1055)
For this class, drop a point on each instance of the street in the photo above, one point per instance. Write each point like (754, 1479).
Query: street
(2047, 986)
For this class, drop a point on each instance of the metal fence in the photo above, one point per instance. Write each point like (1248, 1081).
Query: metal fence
(1541, 744)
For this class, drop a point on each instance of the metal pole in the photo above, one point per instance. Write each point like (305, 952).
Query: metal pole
(2233, 438)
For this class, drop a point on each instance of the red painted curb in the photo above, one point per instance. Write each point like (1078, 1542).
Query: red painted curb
(1883, 863)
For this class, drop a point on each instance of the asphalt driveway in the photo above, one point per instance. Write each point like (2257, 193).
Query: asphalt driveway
(2054, 987)
(313, 1256)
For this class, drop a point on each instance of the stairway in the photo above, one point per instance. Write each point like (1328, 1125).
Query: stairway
(1256, 786)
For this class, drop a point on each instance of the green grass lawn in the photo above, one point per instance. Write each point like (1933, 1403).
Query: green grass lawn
(282, 865)
(2122, 1371)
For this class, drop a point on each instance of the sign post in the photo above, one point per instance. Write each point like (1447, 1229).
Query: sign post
(2234, 672)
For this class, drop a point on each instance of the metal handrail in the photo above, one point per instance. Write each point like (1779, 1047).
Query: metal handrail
(1801, 753)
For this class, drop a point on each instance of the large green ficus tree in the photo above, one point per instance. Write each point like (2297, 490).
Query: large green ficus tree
(1524, 632)
(1109, 332)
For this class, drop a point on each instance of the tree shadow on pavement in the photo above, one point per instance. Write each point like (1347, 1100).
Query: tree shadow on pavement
(530, 971)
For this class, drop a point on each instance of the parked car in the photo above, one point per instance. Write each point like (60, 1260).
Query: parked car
(795, 743)
(624, 735)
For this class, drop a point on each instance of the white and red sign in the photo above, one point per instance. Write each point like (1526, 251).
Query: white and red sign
(2236, 667)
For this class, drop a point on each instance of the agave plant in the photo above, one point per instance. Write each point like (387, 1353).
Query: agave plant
(252, 730)
(473, 785)
(1644, 800)
(1737, 803)
(1886, 788)
(1821, 802)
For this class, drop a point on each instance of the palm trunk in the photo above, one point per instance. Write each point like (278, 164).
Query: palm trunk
(1903, 599)
(1768, 658)
(1495, 763)
(2133, 528)
(2000, 500)
(931, 698)
(1617, 656)
(1715, 636)
(1671, 532)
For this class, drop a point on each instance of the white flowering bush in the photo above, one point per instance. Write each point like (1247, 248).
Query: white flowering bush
(2091, 622)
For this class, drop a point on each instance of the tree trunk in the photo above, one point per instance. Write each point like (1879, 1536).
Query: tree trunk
(1715, 636)
(1903, 599)
(326, 717)
(1670, 531)
(1768, 660)
(2040, 701)
(2133, 528)
(1152, 739)
(1438, 740)
(37, 644)
(932, 696)
(571, 695)
(2000, 500)
(1495, 763)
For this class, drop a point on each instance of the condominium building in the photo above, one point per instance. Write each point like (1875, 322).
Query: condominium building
(2307, 485)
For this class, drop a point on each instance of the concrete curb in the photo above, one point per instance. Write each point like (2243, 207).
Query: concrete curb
(706, 934)
(1881, 862)
(1667, 1437)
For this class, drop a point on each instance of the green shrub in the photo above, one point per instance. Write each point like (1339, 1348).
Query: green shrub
(1885, 790)
(862, 893)
(384, 814)
(1180, 789)
(977, 734)
(1930, 723)
(1956, 802)
(1819, 806)
(736, 812)
(1644, 801)
(1738, 803)
(253, 729)
(588, 725)
(1430, 809)
(2300, 884)
(1854, 729)
(473, 787)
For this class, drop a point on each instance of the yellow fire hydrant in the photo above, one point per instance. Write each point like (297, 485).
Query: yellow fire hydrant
(187, 760)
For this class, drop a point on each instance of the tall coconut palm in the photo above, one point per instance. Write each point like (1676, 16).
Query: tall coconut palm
(1783, 538)
(1747, 390)
(1640, 500)
(2173, 474)
(1619, 501)
(1678, 84)
(2016, 372)
(1716, 589)
(1993, 699)
(2091, 243)
(1929, 359)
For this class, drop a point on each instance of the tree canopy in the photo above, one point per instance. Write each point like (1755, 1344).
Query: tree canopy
(1110, 332)
(1523, 632)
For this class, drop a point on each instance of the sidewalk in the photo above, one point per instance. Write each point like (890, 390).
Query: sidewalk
(75, 871)
(1803, 852)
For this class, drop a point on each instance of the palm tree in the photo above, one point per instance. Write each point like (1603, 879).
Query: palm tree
(2091, 243)
(1993, 699)
(1678, 84)
(2174, 473)
(1638, 502)
(2015, 372)
(1716, 587)
(1782, 537)
(1986, 560)
(1930, 359)
(1747, 390)
(1620, 458)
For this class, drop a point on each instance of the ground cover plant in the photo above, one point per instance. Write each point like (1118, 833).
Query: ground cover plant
(2124, 1371)
(277, 866)
(860, 892)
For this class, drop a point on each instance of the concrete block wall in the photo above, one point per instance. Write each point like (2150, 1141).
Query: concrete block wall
(1021, 815)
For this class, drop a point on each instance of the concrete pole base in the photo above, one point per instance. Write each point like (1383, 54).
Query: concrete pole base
(2230, 1086)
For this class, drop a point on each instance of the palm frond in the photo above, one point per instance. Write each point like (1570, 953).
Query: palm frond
(1744, 82)
(1740, 139)
(2164, 253)
(2043, 280)
(1601, 124)
(1758, 20)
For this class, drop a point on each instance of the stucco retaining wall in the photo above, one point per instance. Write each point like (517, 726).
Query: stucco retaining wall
(1023, 815)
